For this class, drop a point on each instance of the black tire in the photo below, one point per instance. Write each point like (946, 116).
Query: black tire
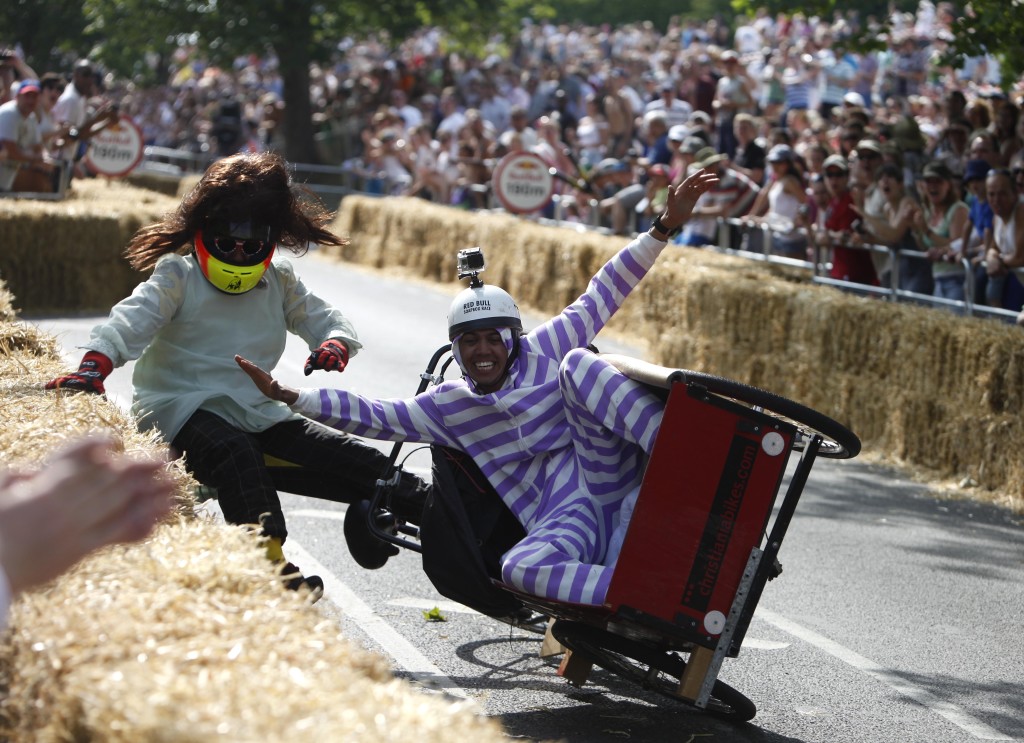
(839, 441)
(649, 667)
(366, 549)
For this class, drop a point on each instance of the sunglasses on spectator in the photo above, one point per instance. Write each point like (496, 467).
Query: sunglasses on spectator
(835, 174)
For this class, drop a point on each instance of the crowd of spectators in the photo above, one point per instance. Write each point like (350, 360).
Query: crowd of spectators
(827, 147)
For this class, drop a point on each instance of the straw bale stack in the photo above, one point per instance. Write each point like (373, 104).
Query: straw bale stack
(924, 389)
(188, 636)
(66, 256)
(187, 183)
(166, 184)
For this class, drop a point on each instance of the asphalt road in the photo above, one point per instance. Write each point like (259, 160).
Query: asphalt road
(898, 616)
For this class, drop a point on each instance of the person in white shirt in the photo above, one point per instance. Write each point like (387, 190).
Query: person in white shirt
(71, 109)
(25, 166)
(677, 112)
(72, 113)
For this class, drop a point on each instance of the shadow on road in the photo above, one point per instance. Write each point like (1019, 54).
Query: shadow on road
(605, 709)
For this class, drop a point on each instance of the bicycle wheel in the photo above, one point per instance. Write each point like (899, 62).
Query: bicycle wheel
(649, 667)
(839, 442)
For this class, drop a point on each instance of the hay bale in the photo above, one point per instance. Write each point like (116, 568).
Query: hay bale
(186, 184)
(924, 389)
(35, 422)
(167, 184)
(66, 256)
(189, 637)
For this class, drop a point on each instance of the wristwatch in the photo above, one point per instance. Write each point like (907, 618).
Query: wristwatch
(658, 226)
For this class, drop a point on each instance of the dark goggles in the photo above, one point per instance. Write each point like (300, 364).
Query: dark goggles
(236, 242)
(227, 245)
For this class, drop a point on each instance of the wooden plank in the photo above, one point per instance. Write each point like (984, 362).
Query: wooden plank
(575, 668)
(550, 646)
(696, 669)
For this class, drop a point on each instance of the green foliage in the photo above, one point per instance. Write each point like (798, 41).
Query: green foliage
(51, 33)
(994, 26)
(658, 12)
(434, 615)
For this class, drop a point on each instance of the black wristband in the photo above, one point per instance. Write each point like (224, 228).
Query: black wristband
(658, 225)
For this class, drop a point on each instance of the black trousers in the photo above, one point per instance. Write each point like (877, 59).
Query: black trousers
(328, 464)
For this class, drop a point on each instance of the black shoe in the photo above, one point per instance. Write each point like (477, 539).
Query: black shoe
(294, 580)
(366, 549)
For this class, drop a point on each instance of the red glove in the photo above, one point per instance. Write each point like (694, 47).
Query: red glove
(331, 356)
(95, 367)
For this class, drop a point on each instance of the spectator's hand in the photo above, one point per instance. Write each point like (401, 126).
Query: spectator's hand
(919, 222)
(267, 384)
(994, 265)
(907, 213)
(86, 496)
(331, 356)
(95, 367)
(682, 198)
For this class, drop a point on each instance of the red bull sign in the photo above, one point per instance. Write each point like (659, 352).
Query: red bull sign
(522, 182)
(117, 150)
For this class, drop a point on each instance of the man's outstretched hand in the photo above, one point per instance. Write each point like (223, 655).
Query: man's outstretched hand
(682, 198)
(266, 383)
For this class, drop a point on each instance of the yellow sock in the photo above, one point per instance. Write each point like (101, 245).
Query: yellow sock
(274, 551)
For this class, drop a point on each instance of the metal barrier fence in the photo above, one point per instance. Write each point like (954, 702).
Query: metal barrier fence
(819, 268)
(335, 182)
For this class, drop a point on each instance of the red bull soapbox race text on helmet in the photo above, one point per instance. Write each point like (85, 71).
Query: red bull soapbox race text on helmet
(482, 306)
(234, 256)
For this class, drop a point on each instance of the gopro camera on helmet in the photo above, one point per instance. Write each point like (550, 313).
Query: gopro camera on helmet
(480, 306)
(471, 265)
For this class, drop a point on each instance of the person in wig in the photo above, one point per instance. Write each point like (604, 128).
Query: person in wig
(219, 287)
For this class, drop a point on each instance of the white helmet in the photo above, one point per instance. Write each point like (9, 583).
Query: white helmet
(483, 306)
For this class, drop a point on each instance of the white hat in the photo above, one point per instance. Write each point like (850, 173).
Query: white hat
(854, 99)
(678, 133)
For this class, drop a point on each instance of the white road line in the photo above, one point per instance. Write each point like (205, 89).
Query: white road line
(755, 644)
(404, 653)
(318, 513)
(925, 698)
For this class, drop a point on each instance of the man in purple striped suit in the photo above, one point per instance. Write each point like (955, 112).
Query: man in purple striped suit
(560, 433)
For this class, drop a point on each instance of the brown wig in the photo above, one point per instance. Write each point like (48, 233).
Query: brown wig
(240, 188)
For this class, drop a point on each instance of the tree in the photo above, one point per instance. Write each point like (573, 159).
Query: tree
(995, 27)
(50, 33)
(984, 26)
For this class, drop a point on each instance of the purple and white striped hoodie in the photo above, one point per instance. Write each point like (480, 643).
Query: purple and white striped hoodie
(519, 435)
